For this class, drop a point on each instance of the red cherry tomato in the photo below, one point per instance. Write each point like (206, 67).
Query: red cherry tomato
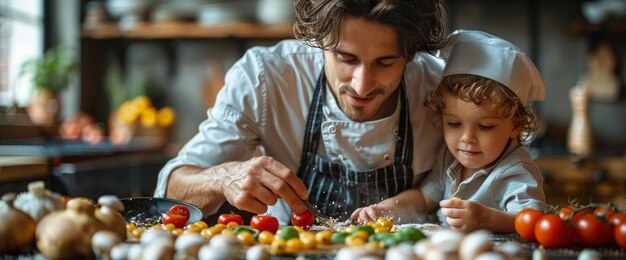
(232, 217)
(179, 210)
(552, 232)
(304, 220)
(603, 212)
(264, 223)
(525, 223)
(620, 235)
(178, 221)
(618, 218)
(565, 213)
(178, 215)
(593, 231)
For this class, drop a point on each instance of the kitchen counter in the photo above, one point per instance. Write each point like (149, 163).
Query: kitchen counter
(75, 168)
(528, 248)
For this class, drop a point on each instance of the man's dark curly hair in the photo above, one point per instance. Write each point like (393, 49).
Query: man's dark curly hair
(417, 22)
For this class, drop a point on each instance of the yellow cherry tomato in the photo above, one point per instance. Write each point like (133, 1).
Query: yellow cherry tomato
(278, 246)
(178, 231)
(193, 228)
(245, 238)
(299, 229)
(266, 237)
(380, 229)
(308, 240)
(360, 234)
(323, 237)
(206, 233)
(229, 233)
(130, 227)
(354, 241)
(385, 223)
(137, 232)
(214, 230)
(220, 226)
(157, 227)
(201, 224)
(169, 227)
(232, 224)
(293, 245)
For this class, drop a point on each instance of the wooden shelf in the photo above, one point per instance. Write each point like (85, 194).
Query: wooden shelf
(190, 30)
(582, 27)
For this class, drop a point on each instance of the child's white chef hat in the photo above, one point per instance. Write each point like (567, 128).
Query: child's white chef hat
(482, 54)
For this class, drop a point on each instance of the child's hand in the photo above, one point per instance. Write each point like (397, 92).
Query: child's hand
(370, 213)
(463, 215)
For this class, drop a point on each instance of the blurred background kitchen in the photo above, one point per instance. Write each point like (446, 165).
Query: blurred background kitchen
(95, 96)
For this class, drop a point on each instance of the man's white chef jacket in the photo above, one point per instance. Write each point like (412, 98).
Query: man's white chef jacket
(265, 102)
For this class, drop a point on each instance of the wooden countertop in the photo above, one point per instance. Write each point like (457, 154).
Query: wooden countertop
(23, 168)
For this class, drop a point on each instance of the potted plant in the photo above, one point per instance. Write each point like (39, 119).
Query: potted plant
(49, 74)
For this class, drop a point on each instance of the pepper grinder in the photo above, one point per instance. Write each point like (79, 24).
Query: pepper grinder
(580, 139)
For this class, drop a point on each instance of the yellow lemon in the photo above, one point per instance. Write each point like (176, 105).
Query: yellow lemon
(141, 103)
(166, 116)
(127, 113)
(149, 117)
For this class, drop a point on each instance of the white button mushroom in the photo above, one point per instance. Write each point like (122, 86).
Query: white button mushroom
(475, 244)
(188, 244)
(120, 251)
(112, 201)
(351, 253)
(589, 254)
(258, 252)
(490, 256)
(160, 248)
(151, 234)
(401, 251)
(103, 241)
(421, 248)
(220, 247)
(447, 241)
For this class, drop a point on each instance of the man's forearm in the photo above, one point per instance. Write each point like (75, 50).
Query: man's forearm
(198, 186)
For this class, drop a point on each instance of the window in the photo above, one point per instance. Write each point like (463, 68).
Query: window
(21, 39)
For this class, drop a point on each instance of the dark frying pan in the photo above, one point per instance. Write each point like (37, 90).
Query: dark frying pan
(152, 208)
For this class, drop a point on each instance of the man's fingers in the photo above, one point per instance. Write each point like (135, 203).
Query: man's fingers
(251, 204)
(264, 195)
(289, 177)
(285, 184)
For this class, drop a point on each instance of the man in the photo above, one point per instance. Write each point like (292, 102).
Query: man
(338, 115)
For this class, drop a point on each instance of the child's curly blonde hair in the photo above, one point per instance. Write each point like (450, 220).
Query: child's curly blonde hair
(483, 92)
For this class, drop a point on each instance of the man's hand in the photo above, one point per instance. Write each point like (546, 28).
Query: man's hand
(254, 184)
(464, 215)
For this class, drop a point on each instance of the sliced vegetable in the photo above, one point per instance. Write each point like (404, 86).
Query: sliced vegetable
(178, 215)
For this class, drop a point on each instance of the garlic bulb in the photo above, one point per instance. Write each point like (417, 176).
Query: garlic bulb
(38, 201)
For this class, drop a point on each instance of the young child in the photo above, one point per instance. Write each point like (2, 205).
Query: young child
(483, 175)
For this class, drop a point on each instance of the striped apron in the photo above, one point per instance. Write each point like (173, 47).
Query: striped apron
(338, 190)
